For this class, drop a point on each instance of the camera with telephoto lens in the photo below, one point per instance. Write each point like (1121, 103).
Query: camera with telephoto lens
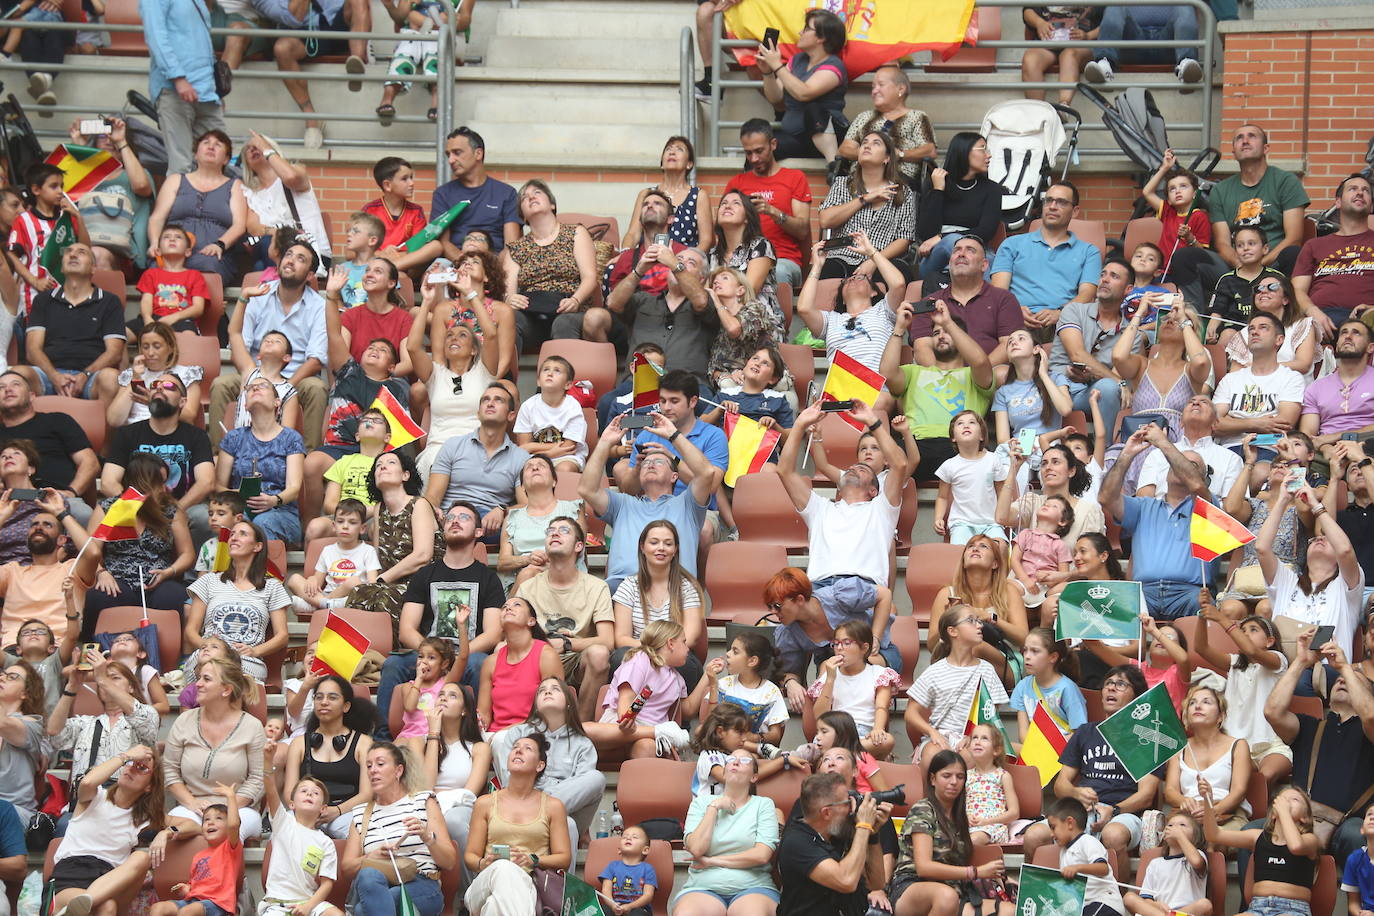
(894, 796)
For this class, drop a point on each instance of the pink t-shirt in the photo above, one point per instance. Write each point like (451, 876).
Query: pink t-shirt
(637, 673)
(1041, 550)
(1340, 410)
(1172, 681)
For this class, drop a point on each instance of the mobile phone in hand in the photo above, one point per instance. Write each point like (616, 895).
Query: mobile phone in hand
(837, 241)
(836, 406)
(1265, 439)
(770, 38)
(1322, 637)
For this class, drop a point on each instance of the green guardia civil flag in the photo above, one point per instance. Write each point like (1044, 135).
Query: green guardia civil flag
(579, 898)
(63, 237)
(1145, 733)
(435, 227)
(983, 712)
(1099, 610)
(1045, 892)
(404, 906)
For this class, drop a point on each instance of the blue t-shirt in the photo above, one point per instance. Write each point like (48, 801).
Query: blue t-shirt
(11, 832)
(270, 456)
(709, 439)
(1043, 277)
(353, 293)
(491, 205)
(628, 881)
(764, 404)
(1064, 700)
(1359, 877)
(1021, 402)
(628, 515)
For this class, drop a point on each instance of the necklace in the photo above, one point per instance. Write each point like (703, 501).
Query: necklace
(970, 187)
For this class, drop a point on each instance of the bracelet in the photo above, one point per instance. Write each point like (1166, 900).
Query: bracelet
(775, 71)
(69, 693)
(673, 437)
(269, 153)
(73, 616)
(864, 825)
(972, 873)
(1232, 627)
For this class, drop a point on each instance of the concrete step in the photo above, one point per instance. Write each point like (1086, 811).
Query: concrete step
(579, 20)
(645, 52)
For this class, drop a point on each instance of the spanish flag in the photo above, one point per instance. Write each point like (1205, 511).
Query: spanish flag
(221, 562)
(340, 648)
(850, 380)
(83, 167)
(1044, 743)
(982, 711)
(1214, 533)
(644, 375)
(404, 430)
(750, 446)
(118, 523)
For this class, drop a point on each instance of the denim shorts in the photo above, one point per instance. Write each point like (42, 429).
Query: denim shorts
(213, 909)
(727, 899)
(87, 391)
(1125, 819)
(1279, 906)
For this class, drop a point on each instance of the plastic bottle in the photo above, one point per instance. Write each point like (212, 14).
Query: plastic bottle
(603, 824)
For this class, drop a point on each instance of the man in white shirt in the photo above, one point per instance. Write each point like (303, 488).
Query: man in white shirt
(850, 539)
(1263, 398)
(1223, 465)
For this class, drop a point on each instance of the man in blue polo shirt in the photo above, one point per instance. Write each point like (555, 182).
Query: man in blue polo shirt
(658, 478)
(1048, 269)
(1161, 556)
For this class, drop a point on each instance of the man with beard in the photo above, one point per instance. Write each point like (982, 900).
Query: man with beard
(1343, 401)
(818, 879)
(643, 274)
(1334, 274)
(989, 312)
(782, 197)
(184, 448)
(34, 591)
(68, 463)
(678, 315)
(457, 577)
(954, 375)
(291, 308)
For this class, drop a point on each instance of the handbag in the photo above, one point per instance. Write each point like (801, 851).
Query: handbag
(398, 869)
(549, 885)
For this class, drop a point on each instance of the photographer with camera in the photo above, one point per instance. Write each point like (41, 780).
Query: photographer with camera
(819, 876)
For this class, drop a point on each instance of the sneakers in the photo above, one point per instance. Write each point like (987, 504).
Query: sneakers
(671, 739)
(355, 66)
(703, 89)
(1188, 71)
(1098, 71)
(80, 905)
(314, 138)
(39, 83)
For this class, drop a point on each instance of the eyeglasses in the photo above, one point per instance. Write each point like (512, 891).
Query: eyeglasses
(1118, 683)
(969, 619)
(32, 631)
(372, 421)
(843, 643)
(808, 28)
(558, 529)
(1272, 286)
(1058, 201)
(775, 606)
(11, 675)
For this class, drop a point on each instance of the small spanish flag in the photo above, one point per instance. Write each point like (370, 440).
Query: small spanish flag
(340, 648)
(118, 523)
(221, 562)
(1043, 745)
(750, 446)
(644, 375)
(850, 380)
(404, 430)
(982, 711)
(1214, 533)
(274, 571)
(83, 167)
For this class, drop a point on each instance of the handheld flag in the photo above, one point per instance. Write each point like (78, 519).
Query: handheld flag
(404, 430)
(1146, 733)
(750, 446)
(1045, 892)
(982, 711)
(579, 897)
(62, 237)
(404, 905)
(1044, 743)
(340, 648)
(1099, 610)
(83, 167)
(221, 562)
(645, 378)
(118, 523)
(1214, 533)
(435, 227)
(850, 380)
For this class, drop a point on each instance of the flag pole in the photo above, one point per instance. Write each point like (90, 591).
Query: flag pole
(143, 592)
(82, 551)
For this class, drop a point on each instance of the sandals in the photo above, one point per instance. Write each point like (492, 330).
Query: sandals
(386, 114)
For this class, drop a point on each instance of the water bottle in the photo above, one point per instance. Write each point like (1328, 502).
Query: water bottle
(617, 822)
(603, 824)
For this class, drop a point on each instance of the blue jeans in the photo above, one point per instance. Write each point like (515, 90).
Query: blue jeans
(399, 668)
(1171, 600)
(1110, 404)
(1344, 841)
(280, 524)
(1161, 23)
(372, 896)
(87, 391)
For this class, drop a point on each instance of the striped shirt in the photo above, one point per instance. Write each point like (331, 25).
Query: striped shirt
(883, 225)
(863, 337)
(948, 692)
(388, 825)
(30, 233)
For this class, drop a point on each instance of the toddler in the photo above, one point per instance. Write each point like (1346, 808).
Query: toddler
(172, 294)
(969, 483)
(631, 881)
(1039, 555)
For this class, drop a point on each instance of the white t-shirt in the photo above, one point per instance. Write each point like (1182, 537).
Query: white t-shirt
(338, 564)
(1173, 881)
(850, 539)
(1088, 850)
(1246, 692)
(702, 781)
(295, 725)
(764, 703)
(1335, 605)
(301, 856)
(238, 616)
(535, 416)
(948, 692)
(856, 693)
(973, 499)
(1247, 395)
(1224, 464)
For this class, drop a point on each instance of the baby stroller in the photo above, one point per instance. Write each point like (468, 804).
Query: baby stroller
(1024, 139)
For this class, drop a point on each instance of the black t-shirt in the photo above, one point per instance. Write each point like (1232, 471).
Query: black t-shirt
(75, 335)
(57, 437)
(441, 588)
(1358, 524)
(182, 450)
(1097, 765)
(1345, 761)
(800, 851)
(886, 835)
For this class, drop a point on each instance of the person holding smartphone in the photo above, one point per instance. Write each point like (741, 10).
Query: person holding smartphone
(810, 88)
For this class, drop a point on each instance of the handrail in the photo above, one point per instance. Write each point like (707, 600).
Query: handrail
(1207, 27)
(686, 99)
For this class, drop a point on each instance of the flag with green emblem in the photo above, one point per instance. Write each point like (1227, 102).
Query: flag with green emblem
(1145, 733)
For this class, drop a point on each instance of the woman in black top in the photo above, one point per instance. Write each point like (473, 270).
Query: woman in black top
(958, 200)
(810, 88)
(332, 750)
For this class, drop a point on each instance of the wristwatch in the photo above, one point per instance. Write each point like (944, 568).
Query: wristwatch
(1365, 463)
(1186, 323)
(679, 267)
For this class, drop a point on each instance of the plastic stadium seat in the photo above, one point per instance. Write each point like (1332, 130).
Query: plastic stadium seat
(1216, 637)
(1144, 229)
(1216, 875)
(784, 291)
(593, 431)
(1026, 781)
(1089, 230)
(208, 322)
(974, 59)
(783, 787)
(1219, 360)
(90, 414)
(908, 775)
(600, 228)
(650, 788)
(930, 568)
(197, 350)
(125, 12)
(339, 894)
(906, 636)
(375, 625)
(764, 514)
(176, 867)
(906, 517)
(1302, 706)
(591, 360)
(276, 554)
(1092, 699)
(601, 852)
(313, 549)
(735, 578)
(1077, 419)
(801, 363)
(406, 287)
(125, 618)
(111, 281)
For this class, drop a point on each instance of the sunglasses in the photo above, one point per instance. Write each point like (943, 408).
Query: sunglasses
(1273, 286)
(166, 386)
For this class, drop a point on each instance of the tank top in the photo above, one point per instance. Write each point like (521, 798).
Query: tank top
(1277, 863)
(1219, 774)
(533, 837)
(513, 686)
(550, 268)
(341, 777)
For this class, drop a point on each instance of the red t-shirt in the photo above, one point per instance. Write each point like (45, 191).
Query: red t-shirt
(1168, 236)
(780, 190)
(172, 290)
(366, 326)
(411, 221)
(1341, 268)
(215, 875)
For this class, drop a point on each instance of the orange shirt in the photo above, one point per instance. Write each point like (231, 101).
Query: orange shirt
(35, 592)
(216, 873)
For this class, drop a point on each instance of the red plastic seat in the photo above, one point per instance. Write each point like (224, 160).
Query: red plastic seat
(764, 514)
(1144, 229)
(735, 578)
(1089, 230)
(90, 414)
(601, 852)
(801, 364)
(591, 360)
(600, 228)
(906, 636)
(124, 618)
(374, 625)
(650, 787)
(929, 569)
(974, 59)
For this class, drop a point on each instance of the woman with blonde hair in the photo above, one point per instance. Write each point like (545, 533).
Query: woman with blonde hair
(981, 582)
(1212, 756)
(279, 194)
(746, 325)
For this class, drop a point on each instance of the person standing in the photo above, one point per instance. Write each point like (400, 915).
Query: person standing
(181, 75)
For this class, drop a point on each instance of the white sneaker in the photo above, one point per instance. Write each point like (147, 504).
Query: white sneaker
(1188, 71)
(80, 905)
(671, 738)
(39, 83)
(1098, 71)
(314, 138)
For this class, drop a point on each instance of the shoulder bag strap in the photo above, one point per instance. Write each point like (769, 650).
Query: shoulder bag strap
(96, 734)
(1316, 747)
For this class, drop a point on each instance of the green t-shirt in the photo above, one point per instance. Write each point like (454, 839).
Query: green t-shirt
(933, 396)
(1237, 205)
(350, 472)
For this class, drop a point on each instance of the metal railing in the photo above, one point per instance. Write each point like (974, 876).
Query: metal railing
(104, 65)
(712, 125)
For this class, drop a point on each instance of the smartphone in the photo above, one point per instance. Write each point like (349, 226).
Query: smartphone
(24, 494)
(500, 850)
(924, 307)
(441, 277)
(94, 127)
(139, 385)
(1265, 439)
(1350, 437)
(1026, 438)
(1079, 367)
(770, 38)
(837, 241)
(1297, 479)
(663, 238)
(836, 406)
(1322, 636)
(84, 665)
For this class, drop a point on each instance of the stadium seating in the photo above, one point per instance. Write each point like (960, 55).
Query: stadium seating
(601, 852)
(735, 578)
(764, 514)
(929, 569)
(650, 787)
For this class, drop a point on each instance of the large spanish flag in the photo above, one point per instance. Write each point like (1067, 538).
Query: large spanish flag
(83, 167)
(750, 446)
(644, 376)
(877, 32)
(340, 647)
(404, 430)
(850, 380)
(118, 523)
(1043, 745)
(1214, 533)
